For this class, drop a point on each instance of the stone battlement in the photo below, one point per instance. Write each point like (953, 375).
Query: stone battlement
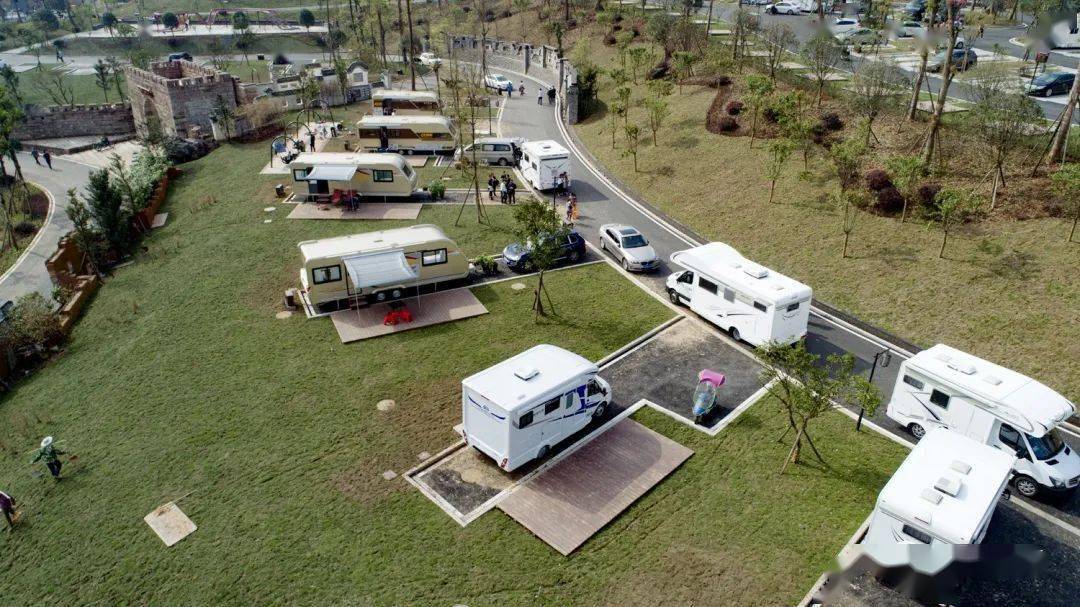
(177, 74)
(96, 109)
(61, 121)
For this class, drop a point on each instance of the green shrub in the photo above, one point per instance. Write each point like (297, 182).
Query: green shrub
(437, 190)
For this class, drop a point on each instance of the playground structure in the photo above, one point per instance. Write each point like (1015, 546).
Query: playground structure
(271, 16)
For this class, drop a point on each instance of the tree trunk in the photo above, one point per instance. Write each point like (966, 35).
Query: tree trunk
(913, 107)
(944, 240)
(1057, 149)
(1076, 218)
(943, 95)
(793, 455)
(538, 301)
(412, 64)
(847, 236)
(772, 190)
(382, 34)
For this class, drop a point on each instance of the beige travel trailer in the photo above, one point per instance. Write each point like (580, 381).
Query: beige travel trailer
(407, 134)
(377, 266)
(389, 102)
(370, 175)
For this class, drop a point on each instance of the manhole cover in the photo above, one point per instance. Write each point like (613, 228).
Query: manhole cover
(385, 405)
(270, 209)
(283, 314)
(389, 475)
(423, 455)
(517, 286)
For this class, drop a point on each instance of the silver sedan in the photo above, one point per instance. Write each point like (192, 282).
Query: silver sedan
(629, 246)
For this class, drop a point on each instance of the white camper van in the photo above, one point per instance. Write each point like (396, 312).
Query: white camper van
(542, 162)
(517, 410)
(942, 387)
(944, 492)
(751, 302)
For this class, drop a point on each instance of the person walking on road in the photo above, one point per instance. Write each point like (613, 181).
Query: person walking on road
(7, 506)
(34, 155)
(539, 95)
(521, 88)
(48, 158)
(509, 90)
(51, 455)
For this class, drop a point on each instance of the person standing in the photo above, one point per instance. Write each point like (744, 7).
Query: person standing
(511, 191)
(311, 139)
(34, 154)
(539, 95)
(51, 455)
(492, 184)
(509, 90)
(48, 158)
(7, 506)
(521, 88)
(504, 193)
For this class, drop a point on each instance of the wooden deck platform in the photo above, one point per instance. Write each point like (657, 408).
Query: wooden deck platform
(568, 503)
(433, 309)
(366, 210)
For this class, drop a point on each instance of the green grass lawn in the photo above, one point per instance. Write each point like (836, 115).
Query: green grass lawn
(1006, 290)
(298, 42)
(9, 255)
(84, 88)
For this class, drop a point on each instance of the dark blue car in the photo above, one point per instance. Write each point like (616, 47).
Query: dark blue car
(516, 255)
(1048, 85)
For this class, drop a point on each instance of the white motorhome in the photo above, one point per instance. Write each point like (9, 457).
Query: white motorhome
(943, 387)
(542, 162)
(751, 302)
(519, 409)
(1065, 33)
(944, 492)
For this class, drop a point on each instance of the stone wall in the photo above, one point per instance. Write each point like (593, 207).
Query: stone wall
(55, 122)
(179, 96)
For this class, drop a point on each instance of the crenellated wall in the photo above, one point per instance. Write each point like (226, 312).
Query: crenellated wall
(179, 95)
(54, 122)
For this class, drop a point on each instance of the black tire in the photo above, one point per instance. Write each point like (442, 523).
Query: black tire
(1048, 93)
(543, 453)
(1026, 486)
(916, 430)
(503, 162)
(772, 10)
(599, 411)
(625, 265)
(673, 297)
(734, 333)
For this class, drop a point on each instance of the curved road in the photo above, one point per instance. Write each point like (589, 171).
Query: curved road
(28, 274)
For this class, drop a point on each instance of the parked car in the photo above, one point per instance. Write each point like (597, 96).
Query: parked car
(783, 8)
(428, 59)
(518, 256)
(497, 82)
(911, 29)
(862, 35)
(915, 9)
(180, 57)
(1053, 83)
(962, 59)
(629, 246)
(844, 24)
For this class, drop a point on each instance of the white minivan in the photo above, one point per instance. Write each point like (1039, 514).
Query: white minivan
(942, 387)
(519, 409)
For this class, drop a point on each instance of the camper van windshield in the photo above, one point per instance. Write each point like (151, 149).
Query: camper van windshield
(1046, 447)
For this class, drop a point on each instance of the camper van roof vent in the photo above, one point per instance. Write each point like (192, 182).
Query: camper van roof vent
(992, 380)
(526, 373)
(966, 369)
(961, 467)
(949, 485)
(931, 496)
(925, 517)
(756, 271)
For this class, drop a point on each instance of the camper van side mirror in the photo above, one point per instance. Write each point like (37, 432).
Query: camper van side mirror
(1022, 453)
(888, 359)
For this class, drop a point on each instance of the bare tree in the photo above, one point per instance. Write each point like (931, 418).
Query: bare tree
(53, 82)
(948, 71)
(1057, 148)
(920, 75)
(778, 37)
(872, 91)
(822, 52)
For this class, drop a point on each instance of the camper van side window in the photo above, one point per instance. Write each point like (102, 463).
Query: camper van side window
(911, 381)
(729, 295)
(525, 420)
(326, 274)
(793, 307)
(707, 285)
(940, 399)
(299, 174)
(551, 405)
(915, 534)
(434, 258)
(1009, 435)
(760, 306)
(382, 175)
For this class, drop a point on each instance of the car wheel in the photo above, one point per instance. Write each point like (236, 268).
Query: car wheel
(917, 431)
(599, 411)
(734, 332)
(773, 10)
(503, 162)
(1048, 93)
(625, 265)
(1026, 486)
(673, 296)
(543, 453)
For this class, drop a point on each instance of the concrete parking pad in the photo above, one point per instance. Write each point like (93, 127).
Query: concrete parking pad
(366, 210)
(433, 309)
(664, 371)
(464, 482)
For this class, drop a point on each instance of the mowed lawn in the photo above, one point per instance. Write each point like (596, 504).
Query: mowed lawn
(1007, 290)
(84, 88)
(180, 381)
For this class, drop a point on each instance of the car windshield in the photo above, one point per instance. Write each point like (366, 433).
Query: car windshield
(516, 249)
(634, 241)
(1047, 446)
(1046, 79)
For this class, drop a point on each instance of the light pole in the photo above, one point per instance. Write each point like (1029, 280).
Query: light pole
(885, 357)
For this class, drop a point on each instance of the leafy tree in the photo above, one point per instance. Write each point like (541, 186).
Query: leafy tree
(779, 152)
(953, 206)
(872, 90)
(11, 80)
(1067, 185)
(622, 44)
(905, 171)
(117, 70)
(633, 138)
(822, 52)
(46, 21)
(778, 37)
(223, 113)
(86, 236)
(53, 81)
(539, 227)
(659, 27)
(109, 20)
(808, 389)
(108, 210)
(639, 58)
(623, 94)
(658, 111)
(240, 21)
(759, 89)
(170, 21)
(684, 64)
(103, 78)
(307, 19)
(244, 42)
(846, 158)
(615, 111)
(948, 72)
(661, 87)
(844, 203)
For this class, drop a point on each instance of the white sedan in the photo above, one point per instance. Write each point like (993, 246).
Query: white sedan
(429, 60)
(783, 8)
(497, 81)
(629, 246)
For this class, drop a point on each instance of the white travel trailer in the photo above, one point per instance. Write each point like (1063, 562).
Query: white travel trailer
(517, 410)
(751, 302)
(378, 175)
(944, 492)
(942, 387)
(542, 162)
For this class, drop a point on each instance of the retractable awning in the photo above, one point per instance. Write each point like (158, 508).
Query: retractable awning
(377, 269)
(331, 173)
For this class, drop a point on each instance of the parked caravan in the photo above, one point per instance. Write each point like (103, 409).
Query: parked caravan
(407, 134)
(380, 175)
(503, 151)
(751, 302)
(542, 162)
(377, 266)
(390, 102)
(519, 409)
(944, 492)
(942, 387)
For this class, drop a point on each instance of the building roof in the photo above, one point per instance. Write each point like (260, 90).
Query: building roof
(544, 149)
(406, 95)
(393, 121)
(547, 367)
(348, 159)
(724, 263)
(1025, 403)
(948, 483)
(370, 242)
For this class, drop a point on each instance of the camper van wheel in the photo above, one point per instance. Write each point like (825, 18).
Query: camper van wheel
(917, 431)
(599, 411)
(1026, 486)
(503, 162)
(673, 295)
(543, 453)
(734, 333)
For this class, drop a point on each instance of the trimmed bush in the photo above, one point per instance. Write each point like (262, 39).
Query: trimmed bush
(927, 194)
(437, 189)
(25, 228)
(831, 121)
(877, 180)
(734, 108)
(889, 200)
(771, 115)
(723, 80)
(728, 124)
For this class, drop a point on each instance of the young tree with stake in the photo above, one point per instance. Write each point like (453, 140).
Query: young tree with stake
(905, 171)
(759, 89)
(779, 152)
(822, 52)
(540, 228)
(633, 138)
(658, 111)
(953, 206)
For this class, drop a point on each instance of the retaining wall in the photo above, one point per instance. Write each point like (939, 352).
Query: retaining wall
(56, 122)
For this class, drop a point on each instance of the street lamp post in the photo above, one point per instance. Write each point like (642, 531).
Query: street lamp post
(885, 357)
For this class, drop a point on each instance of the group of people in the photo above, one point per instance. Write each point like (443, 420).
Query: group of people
(504, 185)
(49, 453)
(540, 92)
(38, 157)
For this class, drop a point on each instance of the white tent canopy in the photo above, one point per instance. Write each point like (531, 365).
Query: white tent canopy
(331, 173)
(377, 269)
